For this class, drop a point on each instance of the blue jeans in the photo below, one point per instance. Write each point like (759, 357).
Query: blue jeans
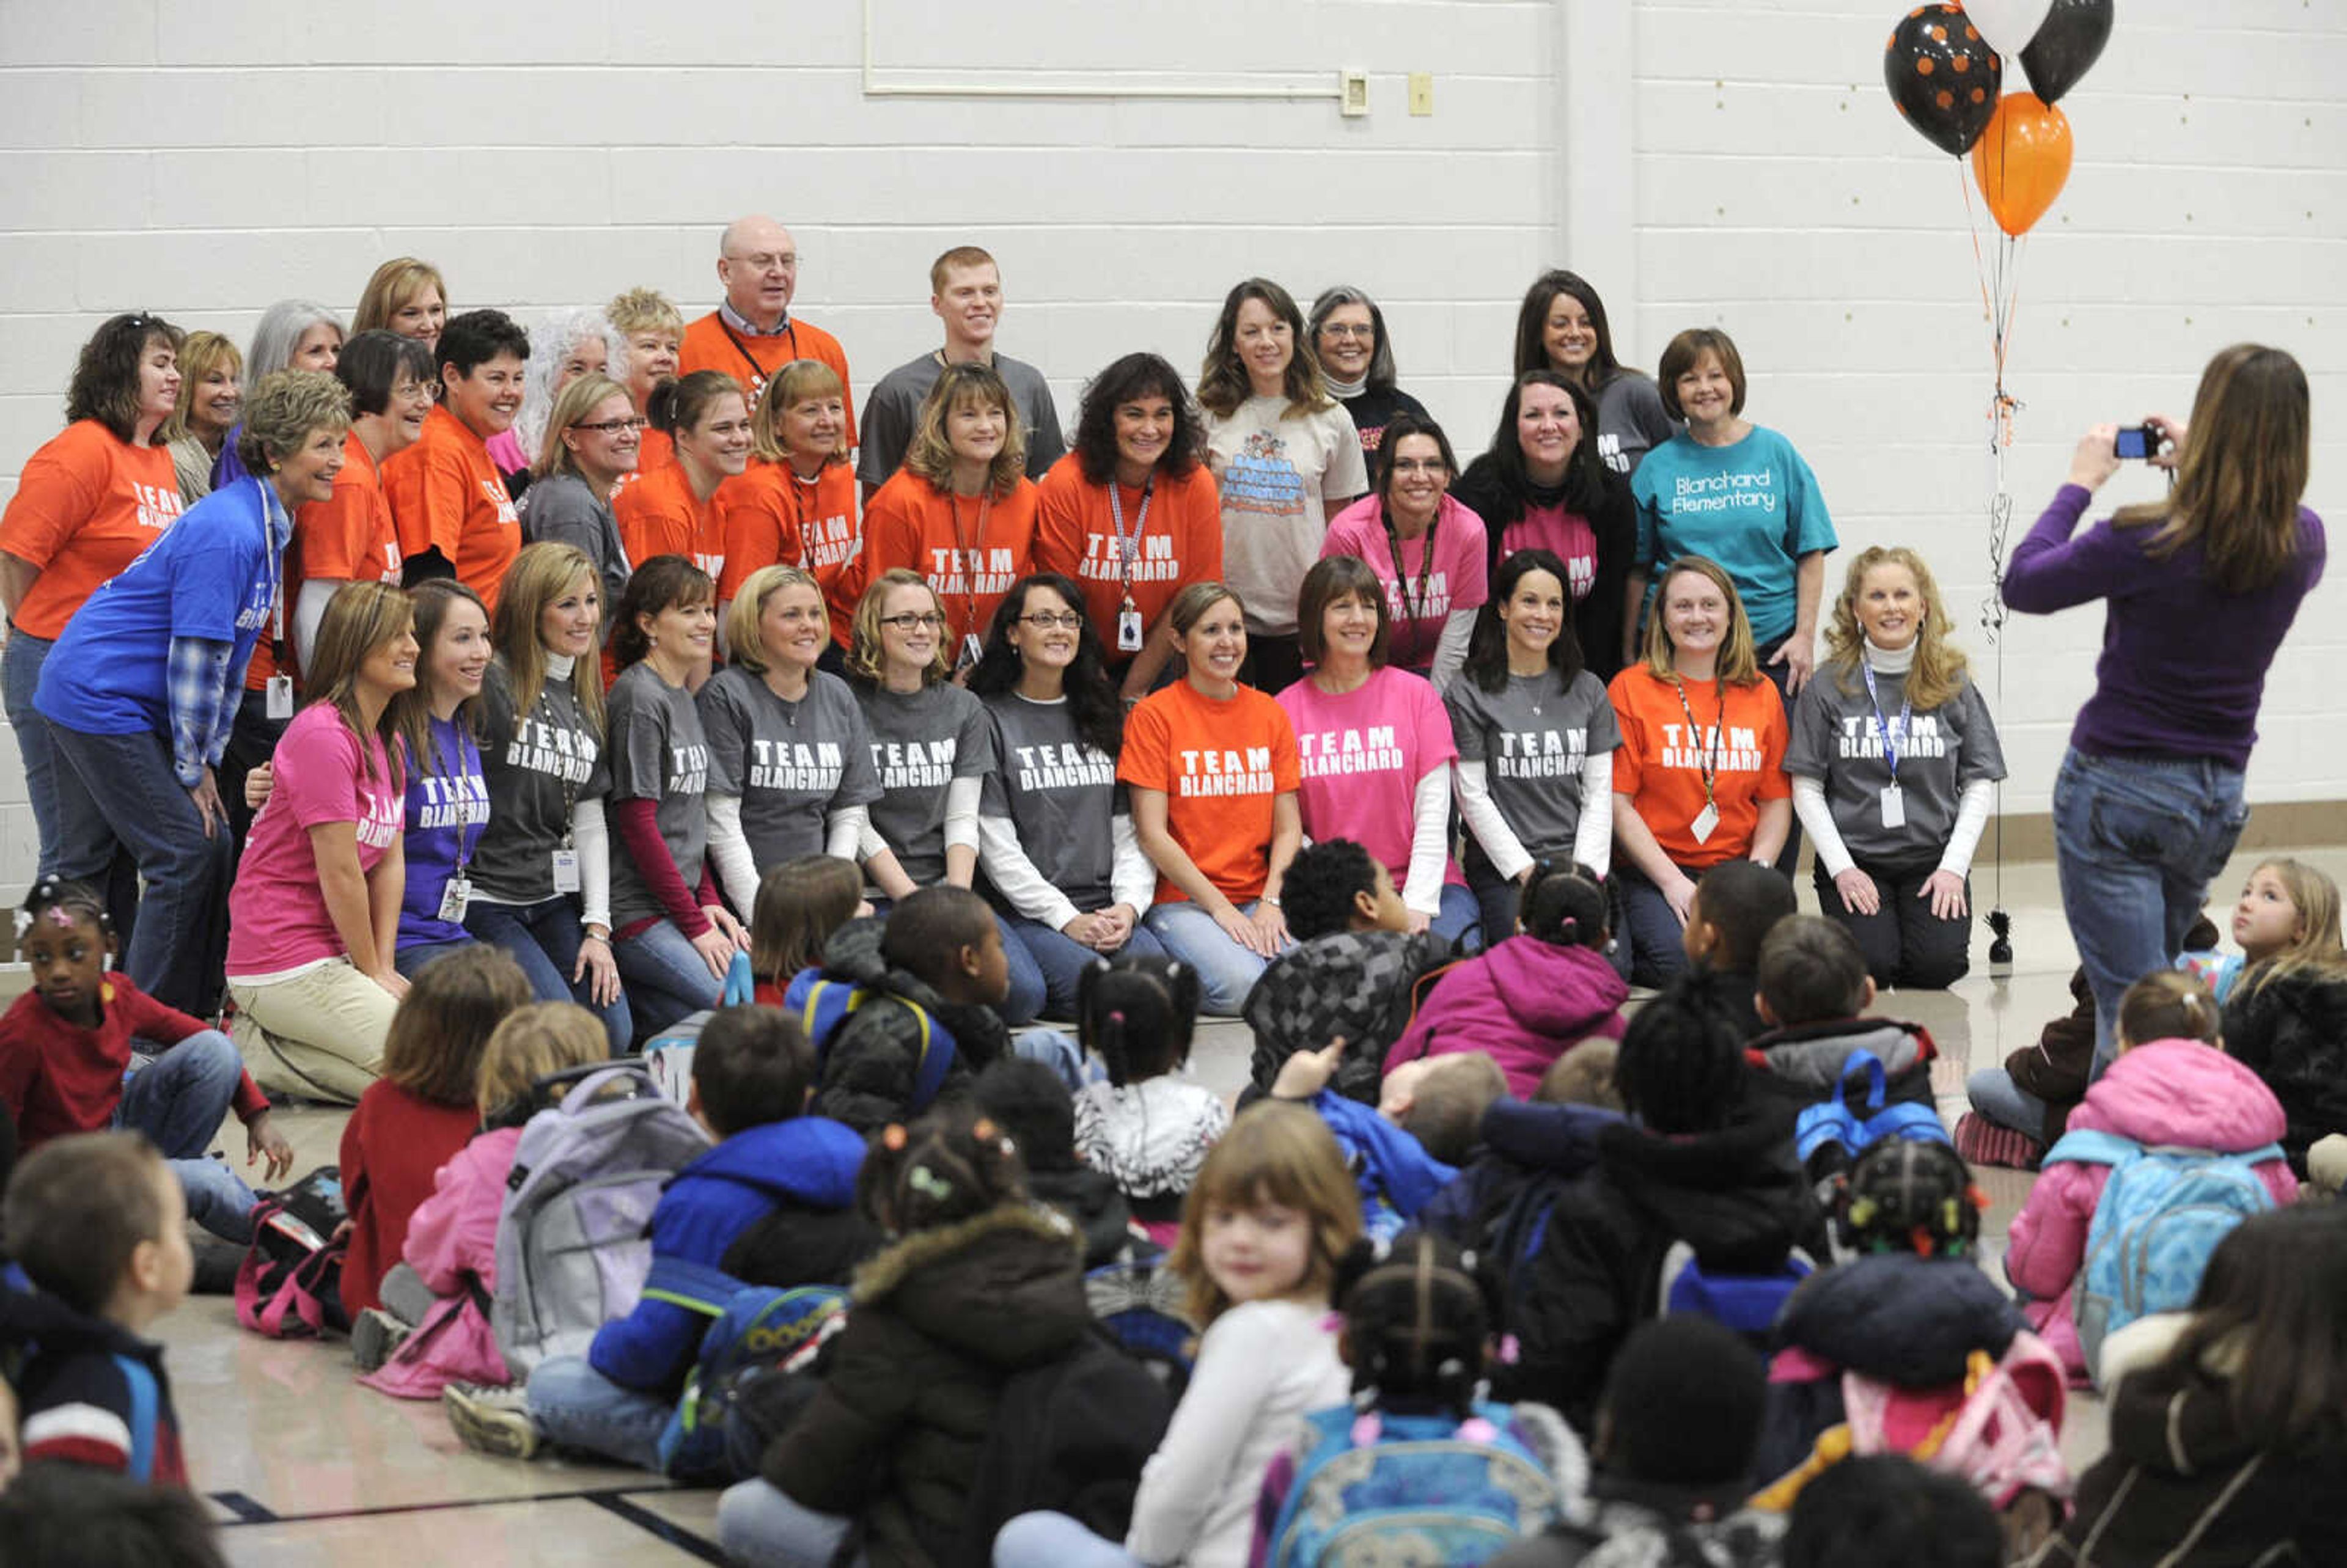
(574, 1404)
(758, 1525)
(1062, 1053)
(1056, 1541)
(118, 792)
(1650, 932)
(544, 940)
(1995, 1095)
(2136, 841)
(1227, 971)
(20, 676)
(1060, 961)
(410, 960)
(667, 977)
(1460, 914)
(1023, 1002)
(179, 1101)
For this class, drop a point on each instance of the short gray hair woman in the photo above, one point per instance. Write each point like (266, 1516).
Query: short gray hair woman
(1342, 319)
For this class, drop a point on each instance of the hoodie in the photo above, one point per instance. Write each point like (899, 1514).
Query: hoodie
(2174, 1091)
(873, 1055)
(1527, 1001)
(808, 1162)
(79, 1395)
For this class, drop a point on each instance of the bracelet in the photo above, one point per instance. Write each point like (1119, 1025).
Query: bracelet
(1266, 898)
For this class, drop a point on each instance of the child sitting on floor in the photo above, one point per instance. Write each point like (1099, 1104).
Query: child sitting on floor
(1737, 903)
(800, 902)
(1150, 1126)
(1028, 1100)
(2286, 1018)
(1408, 1149)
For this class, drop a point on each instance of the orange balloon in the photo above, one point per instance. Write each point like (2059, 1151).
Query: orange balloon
(2021, 161)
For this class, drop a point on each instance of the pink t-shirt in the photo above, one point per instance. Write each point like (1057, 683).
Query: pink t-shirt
(276, 919)
(1363, 754)
(1456, 578)
(1565, 534)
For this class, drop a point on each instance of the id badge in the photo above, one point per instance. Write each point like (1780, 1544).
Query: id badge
(1894, 806)
(454, 897)
(972, 649)
(1128, 632)
(1705, 822)
(280, 700)
(566, 871)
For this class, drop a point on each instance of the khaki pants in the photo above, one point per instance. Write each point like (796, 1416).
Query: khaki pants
(319, 1035)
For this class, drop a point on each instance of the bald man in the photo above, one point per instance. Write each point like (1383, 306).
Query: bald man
(752, 334)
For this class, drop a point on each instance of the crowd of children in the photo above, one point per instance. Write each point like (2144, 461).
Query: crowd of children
(1542, 1286)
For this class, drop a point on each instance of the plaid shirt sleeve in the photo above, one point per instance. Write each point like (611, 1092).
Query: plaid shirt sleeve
(196, 687)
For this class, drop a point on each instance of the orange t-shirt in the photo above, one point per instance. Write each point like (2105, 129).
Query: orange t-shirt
(970, 548)
(1659, 764)
(659, 514)
(710, 344)
(1076, 534)
(774, 518)
(657, 451)
(84, 507)
(349, 538)
(446, 493)
(1221, 767)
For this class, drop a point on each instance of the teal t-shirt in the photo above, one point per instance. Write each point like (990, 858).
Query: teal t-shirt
(1753, 506)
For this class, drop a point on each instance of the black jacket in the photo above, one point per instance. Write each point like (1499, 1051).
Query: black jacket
(1093, 1204)
(1597, 618)
(938, 1324)
(2292, 1032)
(870, 1062)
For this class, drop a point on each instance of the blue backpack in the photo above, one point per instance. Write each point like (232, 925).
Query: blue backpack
(2162, 1214)
(1139, 1304)
(1746, 1303)
(756, 1330)
(823, 1004)
(1377, 1487)
(1832, 1122)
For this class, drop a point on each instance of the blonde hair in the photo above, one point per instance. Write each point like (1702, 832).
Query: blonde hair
(800, 378)
(931, 456)
(199, 356)
(393, 288)
(1275, 1153)
(571, 404)
(1938, 673)
(534, 1041)
(361, 618)
(865, 657)
(962, 256)
(2319, 949)
(283, 409)
(2247, 454)
(741, 616)
(1738, 664)
(541, 574)
(644, 311)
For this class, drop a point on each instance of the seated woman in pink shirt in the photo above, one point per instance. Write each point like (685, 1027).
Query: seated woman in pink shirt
(1428, 549)
(1376, 745)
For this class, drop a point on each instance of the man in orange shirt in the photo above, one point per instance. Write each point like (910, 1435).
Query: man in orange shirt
(752, 334)
(448, 502)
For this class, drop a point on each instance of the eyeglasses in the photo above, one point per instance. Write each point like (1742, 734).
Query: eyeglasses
(1347, 329)
(429, 391)
(1043, 620)
(911, 622)
(612, 426)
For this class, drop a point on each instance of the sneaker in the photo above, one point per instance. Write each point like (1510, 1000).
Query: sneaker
(491, 1421)
(1985, 1143)
(377, 1337)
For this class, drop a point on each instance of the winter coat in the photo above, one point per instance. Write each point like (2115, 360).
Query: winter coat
(794, 1246)
(1395, 1175)
(1359, 985)
(1796, 1067)
(1527, 1002)
(2173, 1092)
(452, 1245)
(2292, 1032)
(1649, 1524)
(938, 1324)
(1522, 1144)
(808, 1163)
(2179, 1467)
(871, 1060)
(1092, 1203)
(1736, 1196)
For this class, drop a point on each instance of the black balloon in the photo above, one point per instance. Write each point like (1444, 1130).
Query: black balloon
(2066, 46)
(1943, 77)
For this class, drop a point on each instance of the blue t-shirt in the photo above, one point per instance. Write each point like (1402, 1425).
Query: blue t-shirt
(1752, 506)
(447, 805)
(214, 574)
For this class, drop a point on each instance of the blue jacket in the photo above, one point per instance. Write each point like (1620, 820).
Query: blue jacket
(809, 1161)
(1396, 1174)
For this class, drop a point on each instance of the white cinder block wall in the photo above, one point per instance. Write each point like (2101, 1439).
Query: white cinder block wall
(1733, 162)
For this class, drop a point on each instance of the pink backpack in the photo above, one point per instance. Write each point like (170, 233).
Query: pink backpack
(2000, 1428)
(290, 1285)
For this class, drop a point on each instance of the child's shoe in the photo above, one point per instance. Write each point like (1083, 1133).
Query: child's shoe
(1985, 1143)
(491, 1421)
(375, 1337)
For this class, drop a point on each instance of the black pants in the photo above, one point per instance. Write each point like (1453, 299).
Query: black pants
(1905, 944)
(1790, 855)
(1273, 664)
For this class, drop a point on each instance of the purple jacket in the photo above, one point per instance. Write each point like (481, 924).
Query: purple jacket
(1526, 1001)
(2184, 665)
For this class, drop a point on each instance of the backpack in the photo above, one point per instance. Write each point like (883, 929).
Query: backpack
(756, 1330)
(1999, 1429)
(1140, 1305)
(1513, 1235)
(1746, 1303)
(290, 1284)
(573, 1247)
(1832, 1124)
(1377, 1486)
(822, 1004)
(668, 1055)
(2162, 1213)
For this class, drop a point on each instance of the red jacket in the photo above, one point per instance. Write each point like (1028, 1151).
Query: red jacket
(58, 1078)
(392, 1146)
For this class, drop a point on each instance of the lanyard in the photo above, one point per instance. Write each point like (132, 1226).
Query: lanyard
(272, 562)
(1127, 550)
(456, 792)
(969, 555)
(758, 371)
(1706, 758)
(1410, 603)
(543, 710)
(1891, 735)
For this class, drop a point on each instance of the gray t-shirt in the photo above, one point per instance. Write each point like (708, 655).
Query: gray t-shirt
(660, 753)
(1531, 740)
(921, 742)
(792, 764)
(1631, 421)
(562, 509)
(539, 764)
(1059, 793)
(885, 426)
(1834, 738)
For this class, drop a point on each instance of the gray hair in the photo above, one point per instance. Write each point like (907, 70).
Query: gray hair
(280, 333)
(1381, 362)
(550, 343)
